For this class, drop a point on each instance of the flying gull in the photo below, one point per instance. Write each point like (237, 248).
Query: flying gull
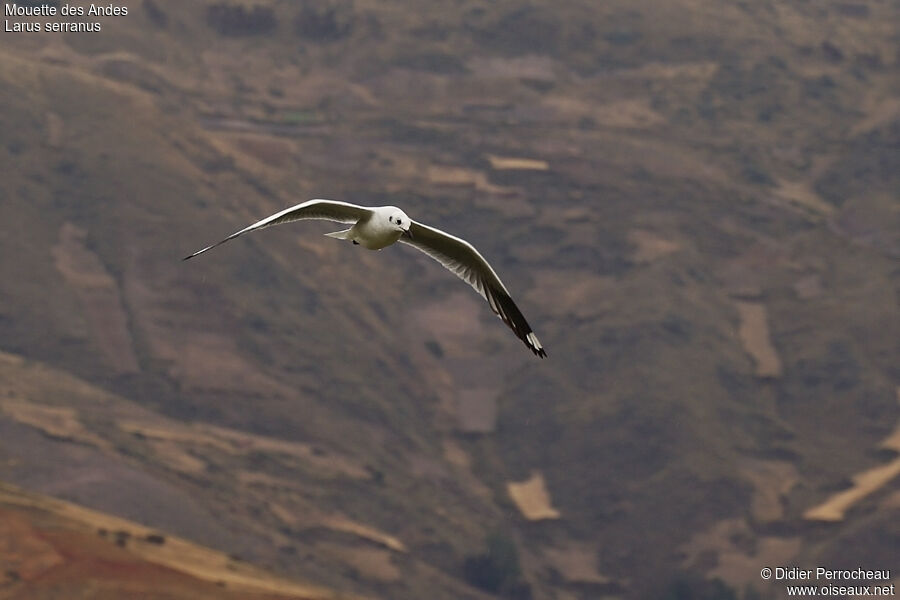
(377, 227)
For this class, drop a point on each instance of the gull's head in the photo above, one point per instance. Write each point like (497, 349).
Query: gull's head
(399, 220)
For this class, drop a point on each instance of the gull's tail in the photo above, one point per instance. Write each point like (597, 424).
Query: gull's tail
(341, 235)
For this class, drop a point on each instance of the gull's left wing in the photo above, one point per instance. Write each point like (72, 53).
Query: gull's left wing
(460, 257)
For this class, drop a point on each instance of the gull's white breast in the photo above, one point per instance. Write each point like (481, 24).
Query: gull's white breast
(376, 232)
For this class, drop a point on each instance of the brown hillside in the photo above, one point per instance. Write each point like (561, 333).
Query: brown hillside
(693, 202)
(54, 549)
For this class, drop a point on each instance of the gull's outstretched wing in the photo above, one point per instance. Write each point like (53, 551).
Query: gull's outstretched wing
(460, 257)
(329, 210)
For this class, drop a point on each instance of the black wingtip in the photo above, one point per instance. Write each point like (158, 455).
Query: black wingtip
(199, 252)
(532, 342)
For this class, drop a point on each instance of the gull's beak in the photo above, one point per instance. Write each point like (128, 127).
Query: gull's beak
(407, 233)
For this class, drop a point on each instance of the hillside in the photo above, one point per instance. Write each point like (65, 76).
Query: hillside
(53, 549)
(693, 202)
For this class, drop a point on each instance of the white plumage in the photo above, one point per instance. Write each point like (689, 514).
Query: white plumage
(380, 226)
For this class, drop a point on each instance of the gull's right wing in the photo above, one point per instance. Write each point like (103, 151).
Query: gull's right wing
(329, 210)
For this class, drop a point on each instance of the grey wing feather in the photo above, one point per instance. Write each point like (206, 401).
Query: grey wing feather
(461, 258)
(329, 210)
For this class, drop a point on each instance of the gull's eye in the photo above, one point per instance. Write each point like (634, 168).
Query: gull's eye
(391, 219)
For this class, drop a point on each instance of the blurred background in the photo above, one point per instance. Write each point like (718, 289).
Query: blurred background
(694, 202)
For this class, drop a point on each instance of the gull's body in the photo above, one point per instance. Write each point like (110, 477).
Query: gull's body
(380, 226)
(376, 232)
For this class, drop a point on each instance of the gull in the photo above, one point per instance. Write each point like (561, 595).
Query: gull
(376, 227)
